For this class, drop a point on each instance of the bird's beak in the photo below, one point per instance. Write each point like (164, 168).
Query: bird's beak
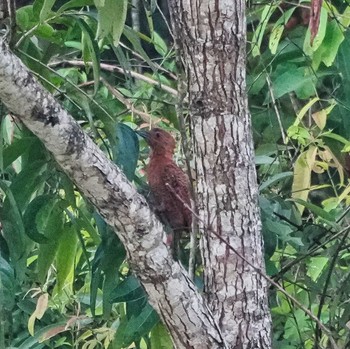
(144, 134)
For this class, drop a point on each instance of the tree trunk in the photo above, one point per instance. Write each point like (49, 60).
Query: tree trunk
(210, 38)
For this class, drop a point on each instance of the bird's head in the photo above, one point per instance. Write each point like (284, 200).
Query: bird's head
(160, 141)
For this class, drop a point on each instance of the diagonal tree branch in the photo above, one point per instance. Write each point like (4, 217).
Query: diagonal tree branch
(170, 291)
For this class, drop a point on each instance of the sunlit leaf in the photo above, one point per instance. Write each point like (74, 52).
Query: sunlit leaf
(302, 175)
(111, 18)
(46, 9)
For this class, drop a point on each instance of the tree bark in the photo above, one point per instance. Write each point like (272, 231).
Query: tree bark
(210, 38)
(170, 291)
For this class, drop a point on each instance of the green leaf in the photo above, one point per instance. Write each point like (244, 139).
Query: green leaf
(265, 160)
(45, 31)
(109, 256)
(13, 230)
(16, 149)
(293, 80)
(282, 230)
(328, 50)
(128, 290)
(138, 326)
(159, 44)
(308, 49)
(28, 181)
(316, 266)
(23, 16)
(278, 29)
(46, 9)
(51, 222)
(29, 218)
(65, 258)
(134, 38)
(111, 18)
(277, 177)
(42, 333)
(302, 175)
(127, 150)
(259, 32)
(74, 3)
(7, 285)
(92, 52)
(160, 337)
(336, 137)
(318, 211)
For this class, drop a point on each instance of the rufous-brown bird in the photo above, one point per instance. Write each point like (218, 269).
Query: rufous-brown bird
(169, 185)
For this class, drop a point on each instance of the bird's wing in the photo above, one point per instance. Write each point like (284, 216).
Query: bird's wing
(177, 183)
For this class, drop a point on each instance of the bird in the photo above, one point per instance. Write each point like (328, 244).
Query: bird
(168, 184)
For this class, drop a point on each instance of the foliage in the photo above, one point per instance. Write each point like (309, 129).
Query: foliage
(299, 104)
(64, 278)
(65, 281)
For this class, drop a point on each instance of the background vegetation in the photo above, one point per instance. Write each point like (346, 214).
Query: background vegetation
(64, 279)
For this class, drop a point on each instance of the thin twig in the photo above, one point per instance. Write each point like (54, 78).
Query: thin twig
(156, 65)
(114, 68)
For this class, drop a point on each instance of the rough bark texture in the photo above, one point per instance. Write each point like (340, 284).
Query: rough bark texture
(211, 41)
(170, 291)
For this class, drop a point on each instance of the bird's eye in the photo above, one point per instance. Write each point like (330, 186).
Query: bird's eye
(157, 134)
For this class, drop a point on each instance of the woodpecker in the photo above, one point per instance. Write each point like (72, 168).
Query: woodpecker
(169, 185)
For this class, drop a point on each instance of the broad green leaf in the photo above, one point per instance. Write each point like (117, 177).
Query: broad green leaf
(134, 39)
(330, 204)
(41, 307)
(277, 177)
(318, 211)
(126, 153)
(41, 335)
(344, 19)
(138, 326)
(96, 278)
(65, 258)
(328, 50)
(111, 19)
(109, 256)
(51, 222)
(7, 285)
(320, 118)
(159, 44)
(293, 80)
(304, 110)
(302, 175)
(13, 230)
(265, 160)
(308, 49)
(160, 337)
(92, 52)
(315, 266)
(16, 149)
(336, 137)
(128, 290)
(46, 9)
(29, 180)
(45, 31)
(29, 218)
(278, 29)
(75, 3)
(260, 30)
(23, 16)
(283, 231)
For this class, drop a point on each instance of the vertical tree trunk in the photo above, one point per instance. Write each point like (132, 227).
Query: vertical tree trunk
(210, 37)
